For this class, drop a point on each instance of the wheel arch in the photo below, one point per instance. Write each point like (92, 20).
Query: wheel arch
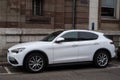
(103, 49)
(38, 51)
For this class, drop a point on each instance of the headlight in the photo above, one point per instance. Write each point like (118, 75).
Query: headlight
(18, 50)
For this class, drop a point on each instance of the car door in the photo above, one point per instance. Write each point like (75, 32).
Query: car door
(66, 51)
(87, 46)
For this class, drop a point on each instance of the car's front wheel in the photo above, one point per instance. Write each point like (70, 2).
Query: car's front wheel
(101, 59)
(35, 62)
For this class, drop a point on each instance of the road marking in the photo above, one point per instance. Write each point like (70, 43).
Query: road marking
(8, 71)
(117, 66)
(3, 73)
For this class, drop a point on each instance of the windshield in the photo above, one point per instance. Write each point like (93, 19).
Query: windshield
(52, 36)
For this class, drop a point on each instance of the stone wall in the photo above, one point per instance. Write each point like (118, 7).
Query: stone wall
(110, 25)
(12, 36)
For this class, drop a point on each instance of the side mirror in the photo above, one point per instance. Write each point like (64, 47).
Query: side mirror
(60, 39)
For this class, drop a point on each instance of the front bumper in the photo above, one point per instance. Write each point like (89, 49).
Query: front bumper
(12, 60)
(15, 59)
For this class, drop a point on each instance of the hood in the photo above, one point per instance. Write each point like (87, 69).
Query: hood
(28, 44)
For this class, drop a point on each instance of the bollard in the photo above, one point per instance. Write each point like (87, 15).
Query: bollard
(93, 26)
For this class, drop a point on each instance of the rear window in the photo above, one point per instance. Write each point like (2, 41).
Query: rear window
(87, 36)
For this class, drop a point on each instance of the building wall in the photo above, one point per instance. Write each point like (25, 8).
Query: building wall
(18, 14)
(110, 23)
(56, 14)
(82, 14)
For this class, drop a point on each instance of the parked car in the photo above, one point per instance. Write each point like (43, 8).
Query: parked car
(63, 47)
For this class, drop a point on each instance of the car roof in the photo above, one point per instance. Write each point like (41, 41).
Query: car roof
(95, 32)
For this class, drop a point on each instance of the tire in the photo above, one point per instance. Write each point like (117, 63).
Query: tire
(101, 59)
(35, 62)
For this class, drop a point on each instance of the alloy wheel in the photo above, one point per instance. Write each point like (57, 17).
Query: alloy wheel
(102, 59)
(35, 63)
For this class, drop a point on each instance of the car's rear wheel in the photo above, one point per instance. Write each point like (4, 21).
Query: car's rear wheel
(101, 59)
(35, 62)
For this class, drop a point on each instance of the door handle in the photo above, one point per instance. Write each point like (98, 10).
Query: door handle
(96, 43)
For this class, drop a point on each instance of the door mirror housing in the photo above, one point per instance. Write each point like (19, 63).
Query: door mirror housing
(59, 40)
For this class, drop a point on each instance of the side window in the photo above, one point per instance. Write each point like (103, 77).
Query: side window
(87, 36)
(70, 36)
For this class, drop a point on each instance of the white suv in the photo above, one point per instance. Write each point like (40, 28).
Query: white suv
(63, 47)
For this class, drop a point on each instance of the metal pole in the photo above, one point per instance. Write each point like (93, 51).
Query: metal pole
(74, 14)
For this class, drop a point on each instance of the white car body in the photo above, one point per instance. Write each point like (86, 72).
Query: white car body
(63, 52)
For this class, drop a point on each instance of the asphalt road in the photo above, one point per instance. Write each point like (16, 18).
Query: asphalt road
(74, 72)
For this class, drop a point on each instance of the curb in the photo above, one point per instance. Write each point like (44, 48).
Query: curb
(4, 64)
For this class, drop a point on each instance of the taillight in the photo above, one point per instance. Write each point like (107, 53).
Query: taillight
(111, 42)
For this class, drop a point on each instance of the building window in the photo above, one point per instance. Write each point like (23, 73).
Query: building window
(109, 8)
(37, 7)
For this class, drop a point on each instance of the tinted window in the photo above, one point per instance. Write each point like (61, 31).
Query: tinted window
(52, 36)
(70, 36)
(87, 36)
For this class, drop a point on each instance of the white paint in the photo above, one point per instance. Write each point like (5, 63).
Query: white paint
(8, 71)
